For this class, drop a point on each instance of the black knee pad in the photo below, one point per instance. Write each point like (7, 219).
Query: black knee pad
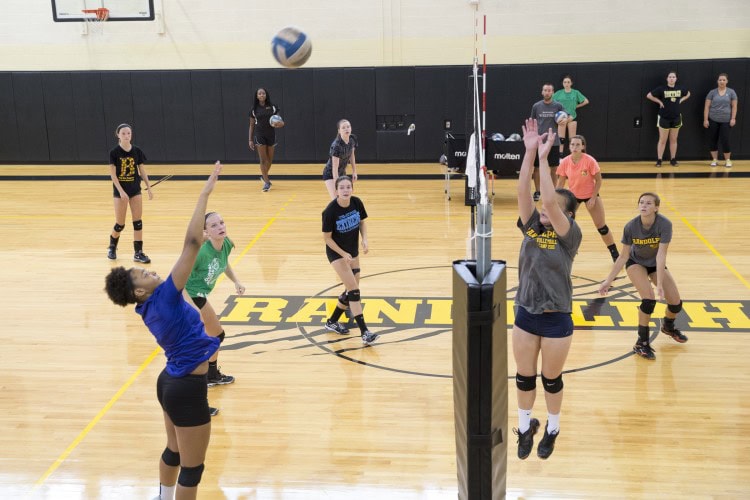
(221, 336)
(603, 230)
(563, 140)
(344, 298)
(355, 271)
(525, 383)
(137, 225)
(118, 228)
(190, 476)
(353, 295)
(552, 385)
(675, 308)
(648, 305)
(171, 458)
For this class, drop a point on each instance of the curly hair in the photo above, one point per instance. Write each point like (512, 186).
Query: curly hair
(119, 286)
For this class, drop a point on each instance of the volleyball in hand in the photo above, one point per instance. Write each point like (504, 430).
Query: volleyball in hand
(560, 116)
(291, 47)
(275, 120)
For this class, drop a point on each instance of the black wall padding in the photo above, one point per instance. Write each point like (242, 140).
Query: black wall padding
(10, 149)
(31, 117)
(202, 115)
(60, 115)
(179, 118)
(90, 129)
(480, 381)
(207, 114)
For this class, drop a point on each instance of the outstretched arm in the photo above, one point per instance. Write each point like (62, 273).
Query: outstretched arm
(194, 235)
(556, 216)
(525, 201)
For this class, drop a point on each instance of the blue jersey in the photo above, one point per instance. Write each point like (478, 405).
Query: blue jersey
(178, 329)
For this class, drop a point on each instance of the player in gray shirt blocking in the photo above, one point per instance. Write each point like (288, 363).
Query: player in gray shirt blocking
(645, 240)
(543, 322)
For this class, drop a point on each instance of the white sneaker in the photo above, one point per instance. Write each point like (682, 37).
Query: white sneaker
(714, 163)
(728, 164)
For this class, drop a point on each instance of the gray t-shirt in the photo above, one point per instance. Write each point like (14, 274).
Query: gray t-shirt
(544, 267)
(644, 243)
(720, 109)
(545, 116)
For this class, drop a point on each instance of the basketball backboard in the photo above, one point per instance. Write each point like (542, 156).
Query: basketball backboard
(119, 10)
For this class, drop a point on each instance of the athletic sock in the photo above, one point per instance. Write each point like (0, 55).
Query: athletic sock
(524, 420)
(138, 246)
(360, 319)
(113, 241)
(553, 423)
(643, 334)
(613, 251)
(337, 312)
(167, 492)
(213, 369)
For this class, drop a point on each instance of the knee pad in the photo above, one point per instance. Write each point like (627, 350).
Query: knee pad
(525, 383)
(137, 225)
(648, 305)
(344, 298)
(190, 476)
(563, 140)
(355, 271)
(221, 336)
(675, 308)
(171, 458)
(118, 228)
(552, 385)
(353, 295)
(603, 230)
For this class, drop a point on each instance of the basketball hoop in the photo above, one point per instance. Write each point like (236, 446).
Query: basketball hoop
(94, 20)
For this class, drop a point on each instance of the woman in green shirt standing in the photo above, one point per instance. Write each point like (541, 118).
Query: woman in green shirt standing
(571, 99)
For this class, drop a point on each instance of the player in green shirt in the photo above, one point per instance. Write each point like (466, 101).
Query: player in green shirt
(571, 99)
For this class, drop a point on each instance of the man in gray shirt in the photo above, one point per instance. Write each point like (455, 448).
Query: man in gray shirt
(544, 113)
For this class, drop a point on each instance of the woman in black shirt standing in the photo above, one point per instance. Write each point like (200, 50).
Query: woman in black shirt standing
(263, 132)
(668, 97)
(343, 221)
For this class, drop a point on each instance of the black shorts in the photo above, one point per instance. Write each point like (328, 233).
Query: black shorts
(130, 190)
(649, 269)
(334, 256)
(268, 139)
(199, 301)
(554, 325)
(328, 172)
(669, 122)
(553, 158)
(584, 200)
(184, 399)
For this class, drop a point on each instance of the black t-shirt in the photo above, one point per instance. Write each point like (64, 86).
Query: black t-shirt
(343, 223)
(262, 115)
(670, 96)
(342, 151)
(126, 165)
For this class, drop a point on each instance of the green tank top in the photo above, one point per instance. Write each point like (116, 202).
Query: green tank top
(209, 265)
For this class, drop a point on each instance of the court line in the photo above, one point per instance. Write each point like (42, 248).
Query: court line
(710, 246)
(82, 435)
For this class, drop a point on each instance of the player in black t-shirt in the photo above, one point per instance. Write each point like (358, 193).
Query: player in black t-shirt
(340, 154)
(343, 222)
(126, 170)
(263, 133)
(668, 97)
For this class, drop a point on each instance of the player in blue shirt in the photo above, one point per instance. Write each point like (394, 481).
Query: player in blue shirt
(178, 329)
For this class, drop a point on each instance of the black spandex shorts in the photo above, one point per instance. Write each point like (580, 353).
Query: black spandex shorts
(334, 256)
(328, 172)
(551, 324)
(266, 139)
(131, 191)
(185, 399)
(553, 158)
(649, 269)
(199, 301)
(583, 200)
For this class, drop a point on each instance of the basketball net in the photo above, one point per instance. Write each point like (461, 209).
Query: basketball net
(93, 20)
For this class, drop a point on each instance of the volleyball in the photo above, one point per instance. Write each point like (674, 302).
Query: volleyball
(513, 138)
(497, 137)
(291, 47)
(275, 120)
(560, 116)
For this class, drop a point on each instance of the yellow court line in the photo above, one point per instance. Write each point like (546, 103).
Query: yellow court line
(710, 246)
(140, 369)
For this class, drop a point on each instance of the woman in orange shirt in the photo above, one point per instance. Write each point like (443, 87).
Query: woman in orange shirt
(584, 176)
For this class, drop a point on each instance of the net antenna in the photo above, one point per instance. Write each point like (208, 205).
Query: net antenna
(476, 168)
(94, 20)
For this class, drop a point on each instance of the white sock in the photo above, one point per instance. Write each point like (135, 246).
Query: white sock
(167, 492)
(553, 423)
(524, 420)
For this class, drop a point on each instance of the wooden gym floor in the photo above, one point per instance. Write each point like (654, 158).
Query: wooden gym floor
(316, 416)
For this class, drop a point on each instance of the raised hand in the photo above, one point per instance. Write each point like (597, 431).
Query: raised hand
(530, 133)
